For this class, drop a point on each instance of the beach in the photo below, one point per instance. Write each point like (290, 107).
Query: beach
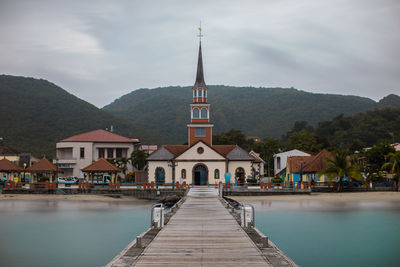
(329, 197)
(76, 197)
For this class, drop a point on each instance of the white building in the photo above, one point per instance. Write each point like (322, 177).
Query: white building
(280, 159)
(258, 165)
(78, 151)
(200, 162)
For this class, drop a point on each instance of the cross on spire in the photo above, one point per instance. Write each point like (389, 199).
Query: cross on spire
(200, 35)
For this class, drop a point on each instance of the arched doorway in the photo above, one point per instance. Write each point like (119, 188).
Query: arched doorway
(160, 175)
(200, 175)
(240, 175)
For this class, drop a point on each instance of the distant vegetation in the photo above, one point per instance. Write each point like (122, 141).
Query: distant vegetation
(373, 129)
(254, 111)
(35, 114)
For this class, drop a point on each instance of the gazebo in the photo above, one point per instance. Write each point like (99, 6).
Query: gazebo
(8, 168)
(101, 166)
(44, 166)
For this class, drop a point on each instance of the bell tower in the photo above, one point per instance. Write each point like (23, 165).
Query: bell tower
(200, 127)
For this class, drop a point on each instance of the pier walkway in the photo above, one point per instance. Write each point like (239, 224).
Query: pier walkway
(202, 233)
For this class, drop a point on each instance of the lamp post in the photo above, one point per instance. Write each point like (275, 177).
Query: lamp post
(23, 183)
(173, 165)
(56, 170)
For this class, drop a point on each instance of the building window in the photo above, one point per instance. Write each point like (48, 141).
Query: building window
(216, 174)
(110, 153)
(204, 113)
(82, 152)
(101, 152)
(183, 174)
(240, 175)
(160, 175)
(196, 112)
(200, 132)
(278, 163)
(118, 153)
(200, 93)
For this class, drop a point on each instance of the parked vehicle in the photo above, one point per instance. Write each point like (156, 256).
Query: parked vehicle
(68, 180)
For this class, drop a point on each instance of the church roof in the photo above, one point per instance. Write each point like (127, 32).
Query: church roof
(239, 153)
(200, 74)
(162, 154)
(169, 152)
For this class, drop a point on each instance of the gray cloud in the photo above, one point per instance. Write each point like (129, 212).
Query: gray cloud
(99, 50)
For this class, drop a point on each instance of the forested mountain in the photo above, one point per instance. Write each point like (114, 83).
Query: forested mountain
(360, 130)
(255, 111)
(35, 114)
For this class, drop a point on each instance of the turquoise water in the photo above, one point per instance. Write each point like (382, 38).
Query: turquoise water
(68, 233)
(317, 233)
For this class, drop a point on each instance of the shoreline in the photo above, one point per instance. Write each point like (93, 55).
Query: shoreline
(328, 197)
(75, 197)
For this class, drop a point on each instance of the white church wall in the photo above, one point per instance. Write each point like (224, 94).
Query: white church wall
(163, 164)
(233, 165)
(211, 166)
(193, 154)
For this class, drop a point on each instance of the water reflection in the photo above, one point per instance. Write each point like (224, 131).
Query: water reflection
(68, 232)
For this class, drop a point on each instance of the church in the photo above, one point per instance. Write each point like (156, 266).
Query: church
(199, 162)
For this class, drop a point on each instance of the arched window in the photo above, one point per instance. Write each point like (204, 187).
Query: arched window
(204, 113)
(205, 93)
(196, 112)
(216, 174)
(160, 175)
(200, 93)
(194, 93)
(240, 175)
(183, 174)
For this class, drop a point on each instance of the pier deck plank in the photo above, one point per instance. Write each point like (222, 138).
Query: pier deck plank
(202, 233)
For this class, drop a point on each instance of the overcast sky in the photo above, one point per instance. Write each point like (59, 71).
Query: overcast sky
(100, 50)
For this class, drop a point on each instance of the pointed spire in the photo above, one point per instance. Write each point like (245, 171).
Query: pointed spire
(200, 74)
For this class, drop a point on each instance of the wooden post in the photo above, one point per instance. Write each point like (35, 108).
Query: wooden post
(118, 184)
(47, 184)
(262, 185)
(152, 184)
(177, 185)
(79, 184)
(184, 184)
(269, 184)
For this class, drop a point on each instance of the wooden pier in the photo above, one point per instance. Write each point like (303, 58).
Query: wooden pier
(201, 233)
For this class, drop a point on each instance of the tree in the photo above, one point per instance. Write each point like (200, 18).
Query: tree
(304, 140)
(232, 137)
(138, 159)
(393, 165)
(339, 166)
(376, 158)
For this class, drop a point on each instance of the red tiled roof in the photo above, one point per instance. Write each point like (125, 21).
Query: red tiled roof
(100, 136)
(176, 150)
(317, 163)
(8, 166)
(43, 165)
(223, 149)
(294, 163)
(101, 165)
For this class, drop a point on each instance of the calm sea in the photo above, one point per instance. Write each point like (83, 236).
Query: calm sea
(318, 233)
(68, 233)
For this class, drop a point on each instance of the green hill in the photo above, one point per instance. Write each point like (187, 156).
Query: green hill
(35, 114)
(255, 111)
(361, 130)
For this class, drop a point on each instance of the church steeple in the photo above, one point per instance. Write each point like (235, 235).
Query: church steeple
(200, 74)
(200, 128)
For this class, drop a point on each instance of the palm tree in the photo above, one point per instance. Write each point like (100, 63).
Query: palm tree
(138, 159)
(340, 166)
(393, 165)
